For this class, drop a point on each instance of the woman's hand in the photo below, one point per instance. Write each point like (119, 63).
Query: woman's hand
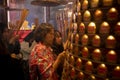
(61, 56)
(59, 59)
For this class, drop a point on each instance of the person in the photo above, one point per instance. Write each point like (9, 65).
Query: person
(9, 68)
(13, 44)
(42, 64)
(57, 49)
(26, 46)
(57, 44)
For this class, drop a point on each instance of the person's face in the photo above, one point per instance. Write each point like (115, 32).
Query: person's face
(58, 39)
(49, 38)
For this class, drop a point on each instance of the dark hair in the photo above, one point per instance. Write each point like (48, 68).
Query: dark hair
(42, 30)
(57, 33)
(29, 36)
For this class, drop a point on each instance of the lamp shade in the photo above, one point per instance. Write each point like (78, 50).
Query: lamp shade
(48, 2)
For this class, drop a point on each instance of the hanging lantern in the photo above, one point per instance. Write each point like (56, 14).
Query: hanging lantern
(48, 2)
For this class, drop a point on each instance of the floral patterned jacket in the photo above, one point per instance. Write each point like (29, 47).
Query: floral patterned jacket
(41, 60)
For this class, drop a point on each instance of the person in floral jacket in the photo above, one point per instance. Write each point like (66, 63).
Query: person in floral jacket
(42, 63)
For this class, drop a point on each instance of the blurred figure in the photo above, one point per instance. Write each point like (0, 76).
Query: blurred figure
(26, 46)
(42, 64)
(3, 46)
(9, 67)
(57, 49)
(57, 43)
(13, 44)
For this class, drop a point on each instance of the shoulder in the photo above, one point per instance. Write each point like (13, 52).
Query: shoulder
(23, 42)
(39, 47)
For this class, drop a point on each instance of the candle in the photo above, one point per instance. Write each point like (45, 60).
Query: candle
(107, 79)
(111, 56)
(88, 67)
(78, 63)
(82, 28)
(87, 16)
(104, 28)
(91, 28)
(107, 2)
(94, 3)
(116, 72)
(110, 41)
(98, 15)
(117, 29)
(75, 27)
(79, 17)
(92, 77)
(112, 14)
(85, 4)
(76, 50)
(85, 52)
(72, 73)
(77, 38)
(96, 41)
(102, 70)
(96, 54)
(81, 76)
(84, 40)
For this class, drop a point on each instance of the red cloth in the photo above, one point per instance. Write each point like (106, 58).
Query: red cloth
(42, 59)
(23, 34)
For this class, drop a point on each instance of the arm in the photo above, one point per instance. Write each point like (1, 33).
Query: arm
(59, 59)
